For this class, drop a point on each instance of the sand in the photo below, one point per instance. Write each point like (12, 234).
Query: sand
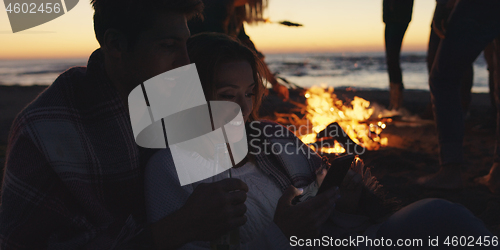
(12, 100)
(412, 151)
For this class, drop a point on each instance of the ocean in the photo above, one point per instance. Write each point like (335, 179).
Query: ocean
(358, 70)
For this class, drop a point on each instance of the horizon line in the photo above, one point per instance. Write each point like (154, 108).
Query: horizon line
(265, 53)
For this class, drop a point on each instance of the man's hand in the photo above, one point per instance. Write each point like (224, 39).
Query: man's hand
(305, 219)
(211, 210)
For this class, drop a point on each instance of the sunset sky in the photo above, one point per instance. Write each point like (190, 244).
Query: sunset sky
(329, 26)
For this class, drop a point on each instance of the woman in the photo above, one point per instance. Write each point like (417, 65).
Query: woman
(274, 168)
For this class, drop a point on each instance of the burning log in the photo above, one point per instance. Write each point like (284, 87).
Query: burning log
(324, 109)
(357, 124)
(334, 132)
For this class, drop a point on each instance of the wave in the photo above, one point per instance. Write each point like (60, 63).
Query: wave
(41, 72)
(361, 70)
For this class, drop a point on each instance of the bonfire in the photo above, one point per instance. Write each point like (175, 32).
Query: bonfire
(330, 125)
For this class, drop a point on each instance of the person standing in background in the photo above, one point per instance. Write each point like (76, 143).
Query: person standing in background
(489, 56)
(438, 30)
(228, 16)
(471, 27)
(492, 55)
(396, 16)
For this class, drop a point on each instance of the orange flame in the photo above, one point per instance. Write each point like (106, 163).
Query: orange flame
(336, 149)
(324, 108)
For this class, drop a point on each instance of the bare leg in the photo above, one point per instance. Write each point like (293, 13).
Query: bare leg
(448, 177)
(394, 33)
(492, 179)
(472, 26)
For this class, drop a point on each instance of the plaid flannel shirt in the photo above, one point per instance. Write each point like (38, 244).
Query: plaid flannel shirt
(73, 176)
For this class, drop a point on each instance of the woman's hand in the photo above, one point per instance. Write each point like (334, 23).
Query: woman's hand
(305, 219)
(350, 190)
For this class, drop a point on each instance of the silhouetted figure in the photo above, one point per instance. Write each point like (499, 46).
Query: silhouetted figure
(396, 16)
(74, 175)
(228, 17)
(492, 179)
(438, 29)
(472, 26)
(489, 56)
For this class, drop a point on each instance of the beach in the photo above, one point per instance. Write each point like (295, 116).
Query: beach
(412, 149)
(412, 152)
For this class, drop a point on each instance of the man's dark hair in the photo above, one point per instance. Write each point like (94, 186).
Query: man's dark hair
(132, 17)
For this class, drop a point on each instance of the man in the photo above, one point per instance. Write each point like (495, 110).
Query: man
(471, 27)
(74, 174)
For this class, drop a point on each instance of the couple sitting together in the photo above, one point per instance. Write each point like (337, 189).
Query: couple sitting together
(258, 196)
(75, 177)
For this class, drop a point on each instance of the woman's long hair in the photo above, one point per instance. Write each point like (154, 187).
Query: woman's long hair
(209, 50)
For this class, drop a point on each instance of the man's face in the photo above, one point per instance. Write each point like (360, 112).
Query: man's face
(160, 48)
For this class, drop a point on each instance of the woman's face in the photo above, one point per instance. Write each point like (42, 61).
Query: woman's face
(234, 82)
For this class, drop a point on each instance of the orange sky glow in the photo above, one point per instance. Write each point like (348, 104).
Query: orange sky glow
(329, 26)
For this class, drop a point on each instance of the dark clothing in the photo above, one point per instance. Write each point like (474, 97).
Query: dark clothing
(496, 65)
(394, 33)
(215, 16)
(466, 81)
(489, 57)
(397, 16)
(74, 174)
(219, 16)
(222, 17)
(397, 11)
(472, 26)
(432, 218)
